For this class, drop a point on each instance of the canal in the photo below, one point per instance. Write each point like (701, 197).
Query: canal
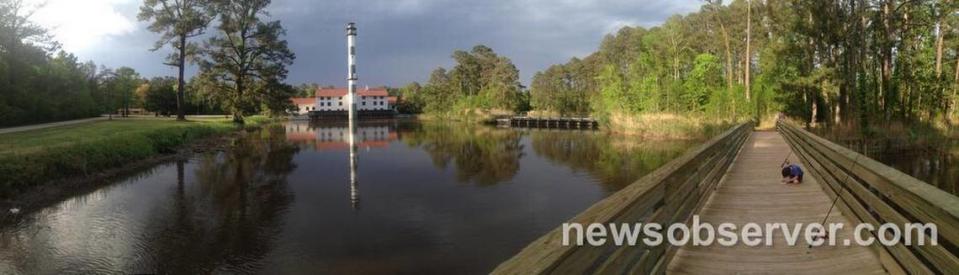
(431, 198)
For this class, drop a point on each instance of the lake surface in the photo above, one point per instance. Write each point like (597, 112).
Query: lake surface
(430, 198)
(937, 165)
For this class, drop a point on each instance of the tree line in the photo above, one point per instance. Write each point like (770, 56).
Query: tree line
(832, 62)
(242, 63)
(480, 82)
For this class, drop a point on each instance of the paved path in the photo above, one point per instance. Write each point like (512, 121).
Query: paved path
(48, 125)
(751, 192)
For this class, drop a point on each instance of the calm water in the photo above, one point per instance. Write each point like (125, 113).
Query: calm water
(937, 165)
(431, 198)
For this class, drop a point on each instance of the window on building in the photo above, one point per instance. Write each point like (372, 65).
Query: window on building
(364, 103)
(341, 103)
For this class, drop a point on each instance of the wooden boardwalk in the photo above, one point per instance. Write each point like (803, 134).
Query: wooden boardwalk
(751, 192)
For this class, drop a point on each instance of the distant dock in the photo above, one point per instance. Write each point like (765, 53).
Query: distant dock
(549, 122)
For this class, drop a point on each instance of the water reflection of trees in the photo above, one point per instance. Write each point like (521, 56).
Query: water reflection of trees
(226, 221)
(482, 155)
(934, 164)
(937, 167)
(616, 161)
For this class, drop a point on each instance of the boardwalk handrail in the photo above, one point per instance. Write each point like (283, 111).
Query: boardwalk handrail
(672, 193)
(876, 194)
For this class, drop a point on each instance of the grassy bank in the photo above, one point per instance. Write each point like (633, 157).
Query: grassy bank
(663, 126)
(35, 157)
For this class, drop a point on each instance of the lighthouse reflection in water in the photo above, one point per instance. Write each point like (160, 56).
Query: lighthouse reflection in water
(332, 136)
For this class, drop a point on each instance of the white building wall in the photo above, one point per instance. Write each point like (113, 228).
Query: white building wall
(373, 103)
(303, 109)
(331, 103)
(363, 103)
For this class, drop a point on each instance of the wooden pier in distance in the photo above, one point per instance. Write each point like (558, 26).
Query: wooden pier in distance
(549, 122)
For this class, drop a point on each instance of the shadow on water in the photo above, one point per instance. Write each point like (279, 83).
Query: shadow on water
(230, 215)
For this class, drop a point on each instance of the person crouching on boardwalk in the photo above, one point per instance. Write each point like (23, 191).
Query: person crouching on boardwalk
(792, 174)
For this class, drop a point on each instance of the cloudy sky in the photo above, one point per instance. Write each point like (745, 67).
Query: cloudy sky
(399, 40)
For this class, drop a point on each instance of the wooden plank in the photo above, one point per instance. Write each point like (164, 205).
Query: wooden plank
(938, 255)
(888, 261)
(921, 200)
(905, 258)
(547, 254)
(750, 192)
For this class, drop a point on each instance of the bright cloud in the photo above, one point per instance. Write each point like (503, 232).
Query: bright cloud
(79, 25)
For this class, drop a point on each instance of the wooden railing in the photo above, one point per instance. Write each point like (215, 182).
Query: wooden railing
(670, 194)
(873, 193)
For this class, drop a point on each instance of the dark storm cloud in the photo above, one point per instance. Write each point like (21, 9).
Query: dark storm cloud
(403, 40)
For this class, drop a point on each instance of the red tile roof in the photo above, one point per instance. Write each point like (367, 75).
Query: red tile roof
(391, 100)
(337, 92)
(303, 100)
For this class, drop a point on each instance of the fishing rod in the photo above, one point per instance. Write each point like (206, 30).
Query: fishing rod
(855, 163)
(786, 160)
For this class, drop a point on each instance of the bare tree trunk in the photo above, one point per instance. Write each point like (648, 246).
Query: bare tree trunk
(181, 65)
(748, 37)
(955, 89)
(815, 111)
(238, 108)
(729, 57)
(887, 62)
(939, 53)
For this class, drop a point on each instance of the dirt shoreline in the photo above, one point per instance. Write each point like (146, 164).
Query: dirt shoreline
(44, 195)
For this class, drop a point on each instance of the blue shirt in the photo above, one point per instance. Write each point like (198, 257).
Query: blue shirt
(795, 171)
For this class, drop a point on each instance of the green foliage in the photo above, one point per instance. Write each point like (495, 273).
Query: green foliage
(177, 21)
(38, 88)
(832, 62)
(243, 64)
(160, 96)
(411, 99)
(120, 87)
(274, 98)
(612, 95)
(246, 55)
(704, 84)
(480, 81)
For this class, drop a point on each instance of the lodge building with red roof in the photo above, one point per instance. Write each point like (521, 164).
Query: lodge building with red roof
(334, 100)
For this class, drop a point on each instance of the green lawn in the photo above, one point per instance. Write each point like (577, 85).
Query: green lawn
(30, 141)
(38, 156)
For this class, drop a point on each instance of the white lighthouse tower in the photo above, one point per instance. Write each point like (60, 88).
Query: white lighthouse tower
(351, 79)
